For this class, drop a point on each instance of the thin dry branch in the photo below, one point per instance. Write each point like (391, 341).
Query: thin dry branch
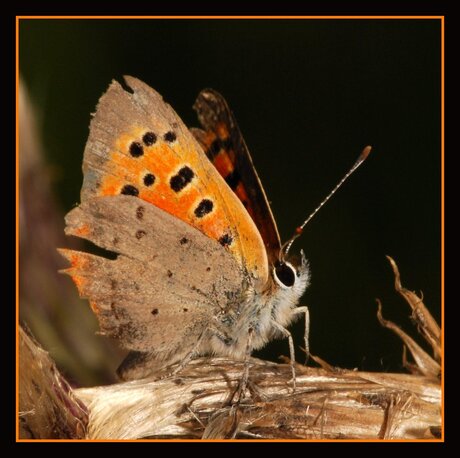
(421, 316)
(425, 364)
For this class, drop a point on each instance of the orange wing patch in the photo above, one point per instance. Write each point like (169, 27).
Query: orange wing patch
(169, 178)
(77, 261)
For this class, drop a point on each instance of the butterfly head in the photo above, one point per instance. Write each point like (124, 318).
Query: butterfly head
(290, 279)
(292, 274)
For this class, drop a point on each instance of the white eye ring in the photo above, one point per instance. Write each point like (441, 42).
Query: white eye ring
(290, 281)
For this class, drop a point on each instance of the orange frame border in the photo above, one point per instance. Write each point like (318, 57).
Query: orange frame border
(442, 107)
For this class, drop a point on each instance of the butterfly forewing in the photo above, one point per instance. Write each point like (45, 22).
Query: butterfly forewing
(138, 146)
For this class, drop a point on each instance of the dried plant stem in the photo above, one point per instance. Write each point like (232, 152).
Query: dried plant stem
(48, 408)
(194, 404)
(326, 405)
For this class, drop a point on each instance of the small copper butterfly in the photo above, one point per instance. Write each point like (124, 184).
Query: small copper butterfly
(197, 265)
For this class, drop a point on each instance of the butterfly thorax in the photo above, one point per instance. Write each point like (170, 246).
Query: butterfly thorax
(253, 318)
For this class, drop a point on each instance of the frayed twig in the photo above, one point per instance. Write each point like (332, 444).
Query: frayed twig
(426, 325)
(425, 364)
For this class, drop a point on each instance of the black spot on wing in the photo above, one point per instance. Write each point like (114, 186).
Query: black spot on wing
(149, 179)
(140, 212)
(130, 190)
(170, 136)
(183, 177)
(226, 240)
(203, 208)
(149, 138)
(136, 149)
(140, 233)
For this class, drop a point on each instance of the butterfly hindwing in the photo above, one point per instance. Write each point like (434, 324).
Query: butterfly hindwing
(223, 143)
(166, 284)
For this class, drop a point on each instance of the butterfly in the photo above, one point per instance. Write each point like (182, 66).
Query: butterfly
(193, 263)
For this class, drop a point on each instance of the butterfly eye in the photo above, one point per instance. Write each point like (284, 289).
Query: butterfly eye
(284, 274)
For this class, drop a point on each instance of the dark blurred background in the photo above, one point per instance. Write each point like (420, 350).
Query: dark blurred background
(308, 96)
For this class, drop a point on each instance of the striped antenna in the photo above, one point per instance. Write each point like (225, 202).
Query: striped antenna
(299, 230)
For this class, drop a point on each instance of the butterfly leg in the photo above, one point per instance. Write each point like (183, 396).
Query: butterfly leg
(304, 310)
(191, 354)
(288, 335)
(195, 351)
(244, 380)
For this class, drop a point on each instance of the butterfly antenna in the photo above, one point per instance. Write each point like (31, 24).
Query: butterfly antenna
(362, 157)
